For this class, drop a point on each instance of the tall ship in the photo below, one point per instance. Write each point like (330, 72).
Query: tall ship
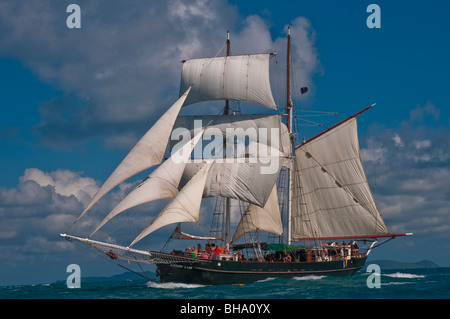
(310, 201)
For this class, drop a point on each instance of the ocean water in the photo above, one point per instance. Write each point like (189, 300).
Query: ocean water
(429, 283)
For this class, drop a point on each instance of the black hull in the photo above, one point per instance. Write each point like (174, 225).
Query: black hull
(216, 272)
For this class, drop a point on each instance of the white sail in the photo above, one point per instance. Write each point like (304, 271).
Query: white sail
(185, 207)
(148, 152)
(242, 181)
(240, 77)
(331, 196)
(262, 128)
(162, 183)
(257, 218)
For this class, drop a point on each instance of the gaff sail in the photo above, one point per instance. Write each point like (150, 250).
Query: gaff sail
(331, 196)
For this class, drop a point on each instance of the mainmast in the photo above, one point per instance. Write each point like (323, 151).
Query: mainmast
(226, 110)
(227, 223)
(289, 127)
(288, 83)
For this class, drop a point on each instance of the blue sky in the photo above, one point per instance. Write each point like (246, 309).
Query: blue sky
(74, 101)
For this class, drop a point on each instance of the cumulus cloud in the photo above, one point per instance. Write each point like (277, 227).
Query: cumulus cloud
(45, 204)
(121, 69)
(411, 169)
(65, 183)
(428, 110)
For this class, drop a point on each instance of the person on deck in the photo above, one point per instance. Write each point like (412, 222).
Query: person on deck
(217, 252)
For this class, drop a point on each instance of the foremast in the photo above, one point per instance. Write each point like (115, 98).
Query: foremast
(226, 111)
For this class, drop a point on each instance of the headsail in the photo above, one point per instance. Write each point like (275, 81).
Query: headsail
(185, 207)
(148, 152)
(331, 196)
(257, 218)
(162, 183)
(239, 77)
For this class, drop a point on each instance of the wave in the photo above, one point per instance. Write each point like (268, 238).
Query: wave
(310, 277)
(396, 283)
(267, 279)
(403, 275)
(172, 285)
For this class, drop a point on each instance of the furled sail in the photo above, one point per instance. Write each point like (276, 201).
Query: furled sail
(179, 234)
(185, 207)
(257, 218)
(239, 77)
(162, 183)
(331, 197)
(148, 152)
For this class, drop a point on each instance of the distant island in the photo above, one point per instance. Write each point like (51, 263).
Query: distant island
(391, 264)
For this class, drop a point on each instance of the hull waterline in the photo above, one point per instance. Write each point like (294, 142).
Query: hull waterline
(233, 272)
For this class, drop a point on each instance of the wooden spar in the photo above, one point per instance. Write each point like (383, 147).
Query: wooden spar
(336, 125)
(196, 238)
(288, 83)
(226, 111)
(356, 237)
(289, 128)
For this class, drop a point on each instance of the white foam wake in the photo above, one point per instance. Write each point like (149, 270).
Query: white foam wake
(172, 285)
(309, 277)
(267, 279)
(403, 275)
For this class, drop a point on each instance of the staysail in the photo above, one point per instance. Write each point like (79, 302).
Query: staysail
(257, 218)
(331, 196)
(238, 77)
(185, 207)
(148, 152)
(162, 183)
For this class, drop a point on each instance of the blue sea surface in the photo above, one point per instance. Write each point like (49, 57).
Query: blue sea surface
(427, 283)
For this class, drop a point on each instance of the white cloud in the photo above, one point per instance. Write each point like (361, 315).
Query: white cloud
(65, 182)
(373, 154)
(422, 144)
(122, 68)
(44, 204)
(429, 109)
(398, 140)
(412, 176)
